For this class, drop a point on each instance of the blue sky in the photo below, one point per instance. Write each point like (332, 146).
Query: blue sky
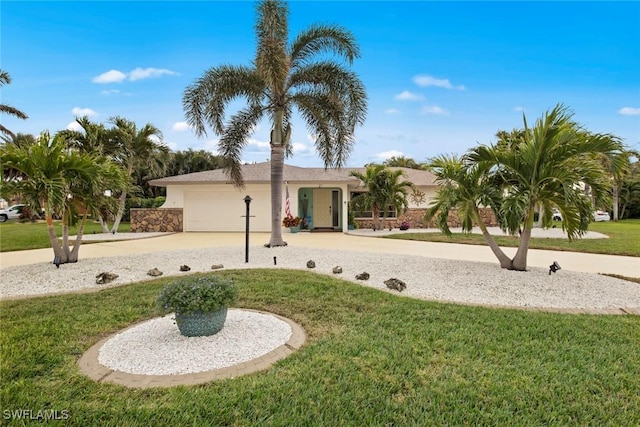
(441, 77)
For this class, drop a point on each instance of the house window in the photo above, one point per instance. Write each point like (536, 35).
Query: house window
(362, 214)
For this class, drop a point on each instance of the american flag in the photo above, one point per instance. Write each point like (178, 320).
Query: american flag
(287, 205)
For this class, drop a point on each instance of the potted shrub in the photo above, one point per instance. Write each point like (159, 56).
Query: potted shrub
(292, 223)
(199, 302)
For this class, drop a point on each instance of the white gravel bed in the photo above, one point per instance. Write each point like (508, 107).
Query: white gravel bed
(426, 278)
(155, 347)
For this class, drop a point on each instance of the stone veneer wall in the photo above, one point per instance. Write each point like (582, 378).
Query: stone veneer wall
(415, 217)
(161, 219)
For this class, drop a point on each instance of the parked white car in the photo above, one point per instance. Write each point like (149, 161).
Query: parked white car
(11, 213)
(557, 216)
(601, 216)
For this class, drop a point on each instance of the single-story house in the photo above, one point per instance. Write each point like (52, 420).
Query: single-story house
(208, 201)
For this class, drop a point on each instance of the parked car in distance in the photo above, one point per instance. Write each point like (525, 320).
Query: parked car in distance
(557, 216)
(12, 212)
(601, 216)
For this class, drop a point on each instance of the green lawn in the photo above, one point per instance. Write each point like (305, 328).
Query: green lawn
(623, 239)
(371, 358)
(16, 236)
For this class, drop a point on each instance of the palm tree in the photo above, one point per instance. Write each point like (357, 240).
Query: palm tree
(464, 187)
(59, 179)
(135, 149)
(93, 138)
(5, 79)
(544, 168)
(404, 162)
(384, 190)
(330, 98)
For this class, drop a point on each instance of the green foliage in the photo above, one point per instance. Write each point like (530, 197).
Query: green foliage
(542, 166)
(371, 358)
(197, 293)
(384, 190)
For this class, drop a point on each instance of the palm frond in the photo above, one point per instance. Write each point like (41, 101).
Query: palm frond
(319, 39)
(235, 138)
(205, 100)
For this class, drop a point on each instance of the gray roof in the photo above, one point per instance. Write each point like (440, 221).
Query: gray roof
(261, 173)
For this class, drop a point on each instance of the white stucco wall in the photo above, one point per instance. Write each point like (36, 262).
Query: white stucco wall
(221, 207)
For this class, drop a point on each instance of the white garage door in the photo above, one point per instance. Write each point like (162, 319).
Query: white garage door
(224, 210)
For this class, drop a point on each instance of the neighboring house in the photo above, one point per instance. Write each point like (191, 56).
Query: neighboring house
(208, 201)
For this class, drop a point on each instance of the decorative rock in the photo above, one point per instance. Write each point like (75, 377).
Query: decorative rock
(363, 276)
(105, 277)
(154, 272)
(217, 266)
(337, 270)
(395, 284)
(311, 264)
(185, 268)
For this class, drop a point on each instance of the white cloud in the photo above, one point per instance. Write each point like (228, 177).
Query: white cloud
(423, 80)
(629, 111)
(146, 73)
(258, 144)
(392, 111)
(110, 92)
(112, 76)
(518, 108)
(81, 112)
(180, 126)
(299, 148)
(389, 154)
(116, 76)
(390, 137)
(434, 109)
(74, 126)
(172, 145)
(409, 96)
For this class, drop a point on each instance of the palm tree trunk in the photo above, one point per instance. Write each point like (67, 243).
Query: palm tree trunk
(103, 223)
(73, 256)
(277, 178)
(505, 261)
(616, 201)
(121, 205)
(58, 253)
(519, 262)
(65, 231)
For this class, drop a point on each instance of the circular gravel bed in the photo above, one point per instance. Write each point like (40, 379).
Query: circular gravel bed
(155, 347)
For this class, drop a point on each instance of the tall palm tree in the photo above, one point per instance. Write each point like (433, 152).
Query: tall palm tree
(384, 190)
(58, 179)
(134, 149)
(550, 162)
(5, 79)
(330, 98)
